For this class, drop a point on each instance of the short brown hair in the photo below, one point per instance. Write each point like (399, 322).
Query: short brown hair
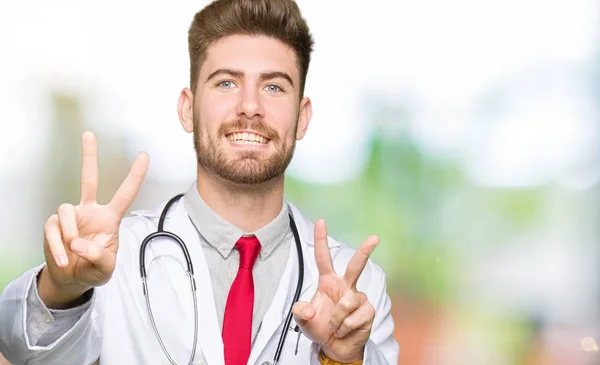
(280, 19)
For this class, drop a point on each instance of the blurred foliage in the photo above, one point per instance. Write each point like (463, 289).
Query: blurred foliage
(422, 208)
(399, 197)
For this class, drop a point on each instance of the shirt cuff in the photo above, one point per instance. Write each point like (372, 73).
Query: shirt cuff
(45, 326)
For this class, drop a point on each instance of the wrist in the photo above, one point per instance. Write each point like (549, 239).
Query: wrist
(58, 296)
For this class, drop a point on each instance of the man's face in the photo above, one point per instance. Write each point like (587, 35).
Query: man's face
(247, 112)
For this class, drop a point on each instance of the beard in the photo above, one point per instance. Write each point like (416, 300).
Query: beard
(247, 167)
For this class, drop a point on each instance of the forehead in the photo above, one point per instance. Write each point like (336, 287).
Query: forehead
(250, 54)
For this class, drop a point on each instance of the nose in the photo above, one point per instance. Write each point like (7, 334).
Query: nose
(250, 104)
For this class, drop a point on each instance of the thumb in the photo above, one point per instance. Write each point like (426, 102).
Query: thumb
(303, 312)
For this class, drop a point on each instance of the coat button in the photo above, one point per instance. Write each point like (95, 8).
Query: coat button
(266, 363)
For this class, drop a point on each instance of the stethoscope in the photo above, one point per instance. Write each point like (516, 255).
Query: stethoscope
(161, 233)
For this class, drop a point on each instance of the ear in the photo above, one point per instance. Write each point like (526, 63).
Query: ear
(185, 109)
(304, 118)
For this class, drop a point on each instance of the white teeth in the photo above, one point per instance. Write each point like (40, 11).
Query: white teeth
(247, 138)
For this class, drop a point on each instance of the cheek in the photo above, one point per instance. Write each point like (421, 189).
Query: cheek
(282, 116)
(215, 109)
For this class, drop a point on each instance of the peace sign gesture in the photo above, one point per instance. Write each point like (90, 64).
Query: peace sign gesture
(81, 241)
(339, 318)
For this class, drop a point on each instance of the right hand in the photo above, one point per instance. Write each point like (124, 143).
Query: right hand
(81, 241)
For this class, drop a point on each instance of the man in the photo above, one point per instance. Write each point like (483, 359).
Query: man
(246, 109)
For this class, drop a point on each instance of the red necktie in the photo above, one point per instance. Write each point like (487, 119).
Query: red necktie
(237, 322)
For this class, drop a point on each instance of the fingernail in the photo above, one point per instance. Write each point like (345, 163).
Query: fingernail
(306, 312)
(61, 260)
(338, 334)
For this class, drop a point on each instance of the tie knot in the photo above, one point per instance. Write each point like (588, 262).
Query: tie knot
(249, 248)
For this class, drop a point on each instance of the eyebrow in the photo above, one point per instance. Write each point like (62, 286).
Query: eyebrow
(276, 74)
(263, 76)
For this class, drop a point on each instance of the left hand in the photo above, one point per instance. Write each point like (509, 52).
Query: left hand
(339, 318)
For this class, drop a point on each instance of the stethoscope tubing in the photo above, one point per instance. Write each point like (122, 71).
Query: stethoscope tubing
(161, 233)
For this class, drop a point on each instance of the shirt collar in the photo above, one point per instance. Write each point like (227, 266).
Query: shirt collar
(223, 235)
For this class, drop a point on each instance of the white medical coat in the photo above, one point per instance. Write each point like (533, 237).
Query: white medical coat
(117, 329)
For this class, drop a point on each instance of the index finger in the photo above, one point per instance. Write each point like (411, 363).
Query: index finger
(129, 188)
(322, 254)
(359, 260)
(89, 168)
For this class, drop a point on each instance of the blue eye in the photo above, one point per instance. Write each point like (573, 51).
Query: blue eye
(273, 88)
(226, 84)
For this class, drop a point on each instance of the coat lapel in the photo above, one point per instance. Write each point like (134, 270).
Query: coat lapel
(209, 333)
(178, 222)
(306, 230)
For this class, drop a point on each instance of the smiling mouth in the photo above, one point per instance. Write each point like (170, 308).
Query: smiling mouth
(247, 138)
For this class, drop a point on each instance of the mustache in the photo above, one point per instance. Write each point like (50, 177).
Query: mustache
(244, 123)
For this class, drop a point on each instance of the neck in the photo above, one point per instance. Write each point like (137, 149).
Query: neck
(248, 207)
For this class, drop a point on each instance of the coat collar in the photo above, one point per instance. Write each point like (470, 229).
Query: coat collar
(305, 226)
